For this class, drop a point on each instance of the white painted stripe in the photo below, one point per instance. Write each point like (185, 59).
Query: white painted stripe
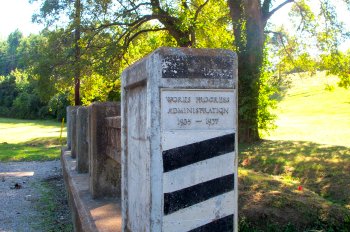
(172, 139)
(198, 172)
(200, 214)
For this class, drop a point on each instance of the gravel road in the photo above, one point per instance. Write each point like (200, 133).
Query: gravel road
(21, 189)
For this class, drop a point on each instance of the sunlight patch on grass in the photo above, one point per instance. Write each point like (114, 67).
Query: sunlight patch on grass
(22, 131)
(309, 112)
(29, 140)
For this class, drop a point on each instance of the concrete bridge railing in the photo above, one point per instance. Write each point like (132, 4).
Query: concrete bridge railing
(164, 159)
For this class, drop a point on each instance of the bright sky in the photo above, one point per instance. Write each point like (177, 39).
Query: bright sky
(281, 18)
(17, 14)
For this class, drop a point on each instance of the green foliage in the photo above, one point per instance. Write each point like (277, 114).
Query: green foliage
(9, 56)
(18, 97)
(58, 104)
(26, 106)
(212, 29)
(266, 102)
(305, 63)
(94, 88)
(52, 63)
(338, 63)
(290, 55)
(8, 92)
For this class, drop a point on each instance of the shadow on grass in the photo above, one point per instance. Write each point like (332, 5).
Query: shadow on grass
(269, 204)
(324, 169)
(38, 149)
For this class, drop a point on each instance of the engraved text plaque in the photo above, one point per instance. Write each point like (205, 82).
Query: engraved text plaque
(198, 109)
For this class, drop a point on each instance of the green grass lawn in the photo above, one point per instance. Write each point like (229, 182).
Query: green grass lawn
(311, 113)
(309, 149)
(29, 140)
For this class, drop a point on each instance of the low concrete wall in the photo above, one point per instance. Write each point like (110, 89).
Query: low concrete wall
(89, 215)
(82, 140)
(70, 125)
(91, 166)
(113, 149)
(105, 172)
(73, 129)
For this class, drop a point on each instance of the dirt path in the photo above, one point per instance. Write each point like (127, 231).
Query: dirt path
(32, 197)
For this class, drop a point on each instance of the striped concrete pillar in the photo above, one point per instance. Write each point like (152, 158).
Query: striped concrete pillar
(179, 160)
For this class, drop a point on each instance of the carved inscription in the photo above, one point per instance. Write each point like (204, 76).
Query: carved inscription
(198, 109)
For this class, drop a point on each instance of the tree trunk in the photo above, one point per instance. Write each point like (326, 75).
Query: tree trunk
(77, 53)
(183, 38)
(173, 25)
(249, 24)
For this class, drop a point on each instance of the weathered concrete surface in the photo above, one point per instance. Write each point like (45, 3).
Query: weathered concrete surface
(69, 125)
(113, 148)
(82, 140)
(176, 174)
(73, 126)
(89, 215)
(105, 172)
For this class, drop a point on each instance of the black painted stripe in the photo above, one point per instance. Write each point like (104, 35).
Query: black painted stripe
(186, 197)
(182, 156)
(224, 224)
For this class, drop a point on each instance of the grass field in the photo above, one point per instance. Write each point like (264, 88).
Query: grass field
(298, 177)
(29, 140)
(311, 113)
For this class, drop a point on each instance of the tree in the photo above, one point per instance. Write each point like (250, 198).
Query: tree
(8, 91)
(132, 18)
(109, 29)
(50, 12)
(77, 72)
(47, 58)
(250, 19)
(181, 20)
(338, 63)
(8, 53)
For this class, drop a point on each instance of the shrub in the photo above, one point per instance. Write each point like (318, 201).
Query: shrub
(4, 111)
(58, 104)
(8, 91)
(26, 106)
(44, 113)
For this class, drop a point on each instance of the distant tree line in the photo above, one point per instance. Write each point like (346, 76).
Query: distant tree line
(19, 88)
